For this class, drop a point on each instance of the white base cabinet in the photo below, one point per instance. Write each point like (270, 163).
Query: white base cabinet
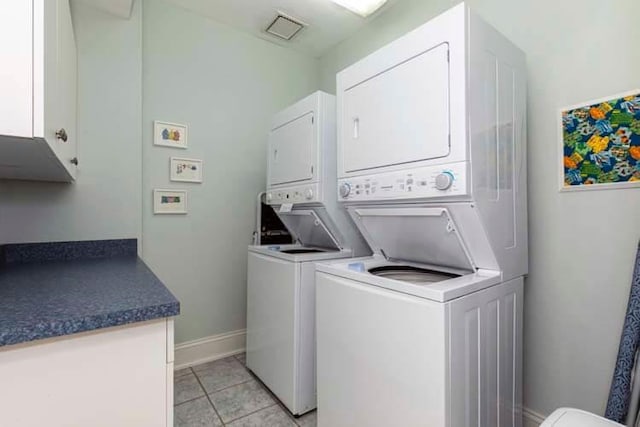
(121, 376)
(38, 83)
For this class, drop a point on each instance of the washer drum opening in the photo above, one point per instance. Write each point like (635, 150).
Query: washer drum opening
(408, 273)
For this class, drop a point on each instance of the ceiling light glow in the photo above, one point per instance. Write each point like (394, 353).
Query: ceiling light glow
(363, 8)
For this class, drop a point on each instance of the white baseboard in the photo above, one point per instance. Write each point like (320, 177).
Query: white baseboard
(206, 349)
(531, 418)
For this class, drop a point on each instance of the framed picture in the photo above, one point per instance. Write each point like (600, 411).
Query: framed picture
(600, 143)
(169, 202)
(185, 170)
(169, 134)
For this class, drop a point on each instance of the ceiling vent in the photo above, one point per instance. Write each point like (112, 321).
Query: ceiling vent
(285, 27)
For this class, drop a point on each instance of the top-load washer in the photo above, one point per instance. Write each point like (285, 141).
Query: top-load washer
(301, 186)
(432, 169)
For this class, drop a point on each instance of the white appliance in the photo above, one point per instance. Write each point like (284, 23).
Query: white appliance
(568, 417)
(301, 185)
(432, 168)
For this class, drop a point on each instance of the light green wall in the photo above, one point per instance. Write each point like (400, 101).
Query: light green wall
(105, 201)
(226, 85)
(582, 245)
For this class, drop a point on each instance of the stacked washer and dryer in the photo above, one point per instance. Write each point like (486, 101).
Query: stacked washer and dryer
(302, 188)
(432, 169)
(430, 165)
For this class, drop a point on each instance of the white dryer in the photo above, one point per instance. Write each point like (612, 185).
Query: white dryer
(301, 186)
(432, 167)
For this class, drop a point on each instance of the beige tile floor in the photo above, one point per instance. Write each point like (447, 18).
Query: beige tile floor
(225, 393)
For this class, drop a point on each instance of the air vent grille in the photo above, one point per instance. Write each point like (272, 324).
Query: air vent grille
(284, 27)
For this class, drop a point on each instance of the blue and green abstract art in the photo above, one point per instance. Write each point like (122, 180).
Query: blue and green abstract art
(601, 142)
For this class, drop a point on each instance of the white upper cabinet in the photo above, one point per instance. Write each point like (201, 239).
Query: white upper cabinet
(38, 138)
(292, 151)
(398, 116)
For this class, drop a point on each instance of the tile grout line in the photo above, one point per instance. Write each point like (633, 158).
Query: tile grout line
(274, 397)
(227, 387)
(175, 377)
(208, 398)
(276, 401)
(190, 400)
(194, 398)
(254, 412)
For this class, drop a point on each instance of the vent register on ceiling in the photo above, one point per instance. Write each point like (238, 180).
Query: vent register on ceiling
(286, 27)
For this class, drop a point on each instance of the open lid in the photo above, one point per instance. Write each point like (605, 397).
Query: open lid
(416, 234)
(307, 227)
(567, 417)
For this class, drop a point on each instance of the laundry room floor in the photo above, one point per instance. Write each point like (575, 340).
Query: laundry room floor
(225, 393)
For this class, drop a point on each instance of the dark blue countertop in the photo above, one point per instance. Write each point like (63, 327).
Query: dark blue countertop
(54, 289)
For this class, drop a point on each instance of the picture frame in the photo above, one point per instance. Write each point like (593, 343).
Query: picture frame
(170, 202)
(166, 134)
(599, 143)
(185, 170)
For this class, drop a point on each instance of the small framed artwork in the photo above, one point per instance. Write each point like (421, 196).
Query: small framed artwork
(185, 170)
(169, 202)
(169, 134)
(600, 143)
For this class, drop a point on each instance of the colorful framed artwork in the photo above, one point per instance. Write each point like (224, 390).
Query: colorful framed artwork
(185, 170)
(169, 202)
(169, 134)
(600, 143)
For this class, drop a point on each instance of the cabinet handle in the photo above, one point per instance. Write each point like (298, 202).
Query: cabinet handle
(74, 161)
(62, 134)
(356, 128)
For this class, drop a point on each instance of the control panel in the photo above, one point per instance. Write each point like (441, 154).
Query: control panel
(432, 181)
(300, 194)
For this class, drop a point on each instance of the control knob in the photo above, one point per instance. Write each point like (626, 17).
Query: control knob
(308, 194)
(444, 181)
(345, 189)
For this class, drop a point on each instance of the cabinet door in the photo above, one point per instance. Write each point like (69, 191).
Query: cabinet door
(60, 76)
(67, 85)
(292, 151)
(16, 73)
(398, 116)
(110, 377)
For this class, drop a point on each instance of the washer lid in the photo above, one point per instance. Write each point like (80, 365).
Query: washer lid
(567, 417)
(307, 228)
(426, 235)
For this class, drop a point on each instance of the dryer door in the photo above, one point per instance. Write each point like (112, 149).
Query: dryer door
(399, 116)
(292, 151)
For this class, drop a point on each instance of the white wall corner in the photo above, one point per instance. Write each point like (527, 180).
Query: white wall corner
(210, 348)
(531, 418)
